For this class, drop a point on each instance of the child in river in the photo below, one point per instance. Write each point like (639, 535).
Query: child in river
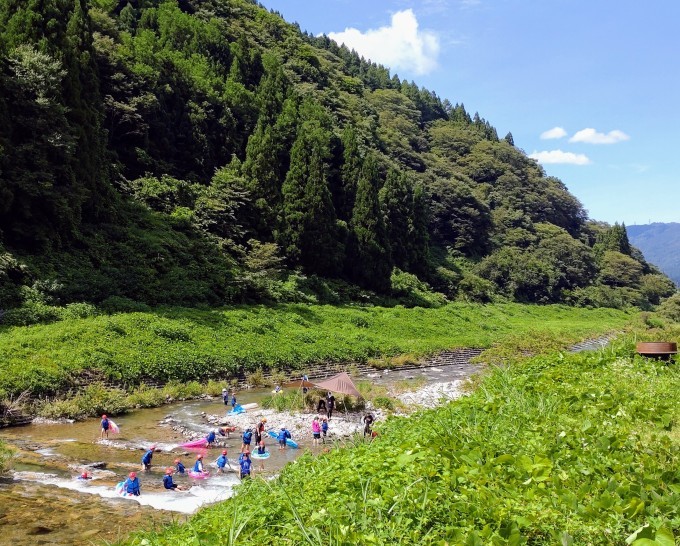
(105, 425)
(245, 464)
(146, 459)
(282, 437)
(198, 465)
(222, 461)
(247, 438)
(324, 428)
(261, 450)
(316, 431)
(179, 466)
(131, 485)
(167, 480)
(210, 438)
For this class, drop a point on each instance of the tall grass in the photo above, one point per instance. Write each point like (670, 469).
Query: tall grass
(191, 344)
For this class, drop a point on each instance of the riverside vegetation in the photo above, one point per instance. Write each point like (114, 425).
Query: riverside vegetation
(180, 345)
(557, 449)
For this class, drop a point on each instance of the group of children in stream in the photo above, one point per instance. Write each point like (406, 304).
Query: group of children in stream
(131, 486)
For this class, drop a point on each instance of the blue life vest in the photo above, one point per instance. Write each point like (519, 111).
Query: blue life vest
(180, 468)
(245, 465)
(247, 435)
(167, 482)
(198, 466)
(147, 457)
(131, 486)
(221, 461)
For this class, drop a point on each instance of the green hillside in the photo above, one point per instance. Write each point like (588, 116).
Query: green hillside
(207, 152)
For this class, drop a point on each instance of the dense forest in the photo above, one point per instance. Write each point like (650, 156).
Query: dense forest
(197, 152)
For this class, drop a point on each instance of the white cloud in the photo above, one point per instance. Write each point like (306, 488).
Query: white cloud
(591, 136)
(400, 46)
(555, 132)
(558, 156)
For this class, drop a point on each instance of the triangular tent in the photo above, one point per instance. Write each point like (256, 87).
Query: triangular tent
(341, 383)
(300, 384)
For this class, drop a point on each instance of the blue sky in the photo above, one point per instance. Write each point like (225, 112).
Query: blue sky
(589, 88)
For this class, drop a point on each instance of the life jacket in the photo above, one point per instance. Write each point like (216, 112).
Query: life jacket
(180, 468)
(247, 435)
(245, 465)
(221, 461)
(198, 466)
(147, 457)
(132, 486)
(167, 482)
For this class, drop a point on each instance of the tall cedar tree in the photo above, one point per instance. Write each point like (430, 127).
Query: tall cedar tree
(419, 247)
(396, 202)
(262, 166)
(350, 172)
(308, 223)
(369, 257)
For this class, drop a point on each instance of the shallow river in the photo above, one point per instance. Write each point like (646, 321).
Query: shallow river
(43, 502)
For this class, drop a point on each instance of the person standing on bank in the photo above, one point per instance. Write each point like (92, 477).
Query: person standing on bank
(330, 402)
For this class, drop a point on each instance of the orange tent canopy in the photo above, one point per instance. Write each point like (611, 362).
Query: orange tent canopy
(340, 383)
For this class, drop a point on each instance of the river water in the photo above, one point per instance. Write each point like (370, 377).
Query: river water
(43, 502)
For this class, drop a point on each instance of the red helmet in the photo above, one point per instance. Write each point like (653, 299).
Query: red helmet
(199, 456)
(246, 452)
(153, 447)
(224, 452)
(168, 470)
(83, 475)
(133, 475)
(176, 461)
(104, 416)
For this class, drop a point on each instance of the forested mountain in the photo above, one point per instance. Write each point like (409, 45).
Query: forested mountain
(208, 152)
(660, 243)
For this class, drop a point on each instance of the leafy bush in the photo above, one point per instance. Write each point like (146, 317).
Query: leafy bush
(289, 400)
(78, 310)
(256, 378)
(475, 289)
(383, 402)
(95, 399)
(670, 308)
(146, 397)
(32, 313)
(413, 292)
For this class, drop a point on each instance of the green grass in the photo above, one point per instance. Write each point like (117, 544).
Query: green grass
(191, 344)
(560, 449)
